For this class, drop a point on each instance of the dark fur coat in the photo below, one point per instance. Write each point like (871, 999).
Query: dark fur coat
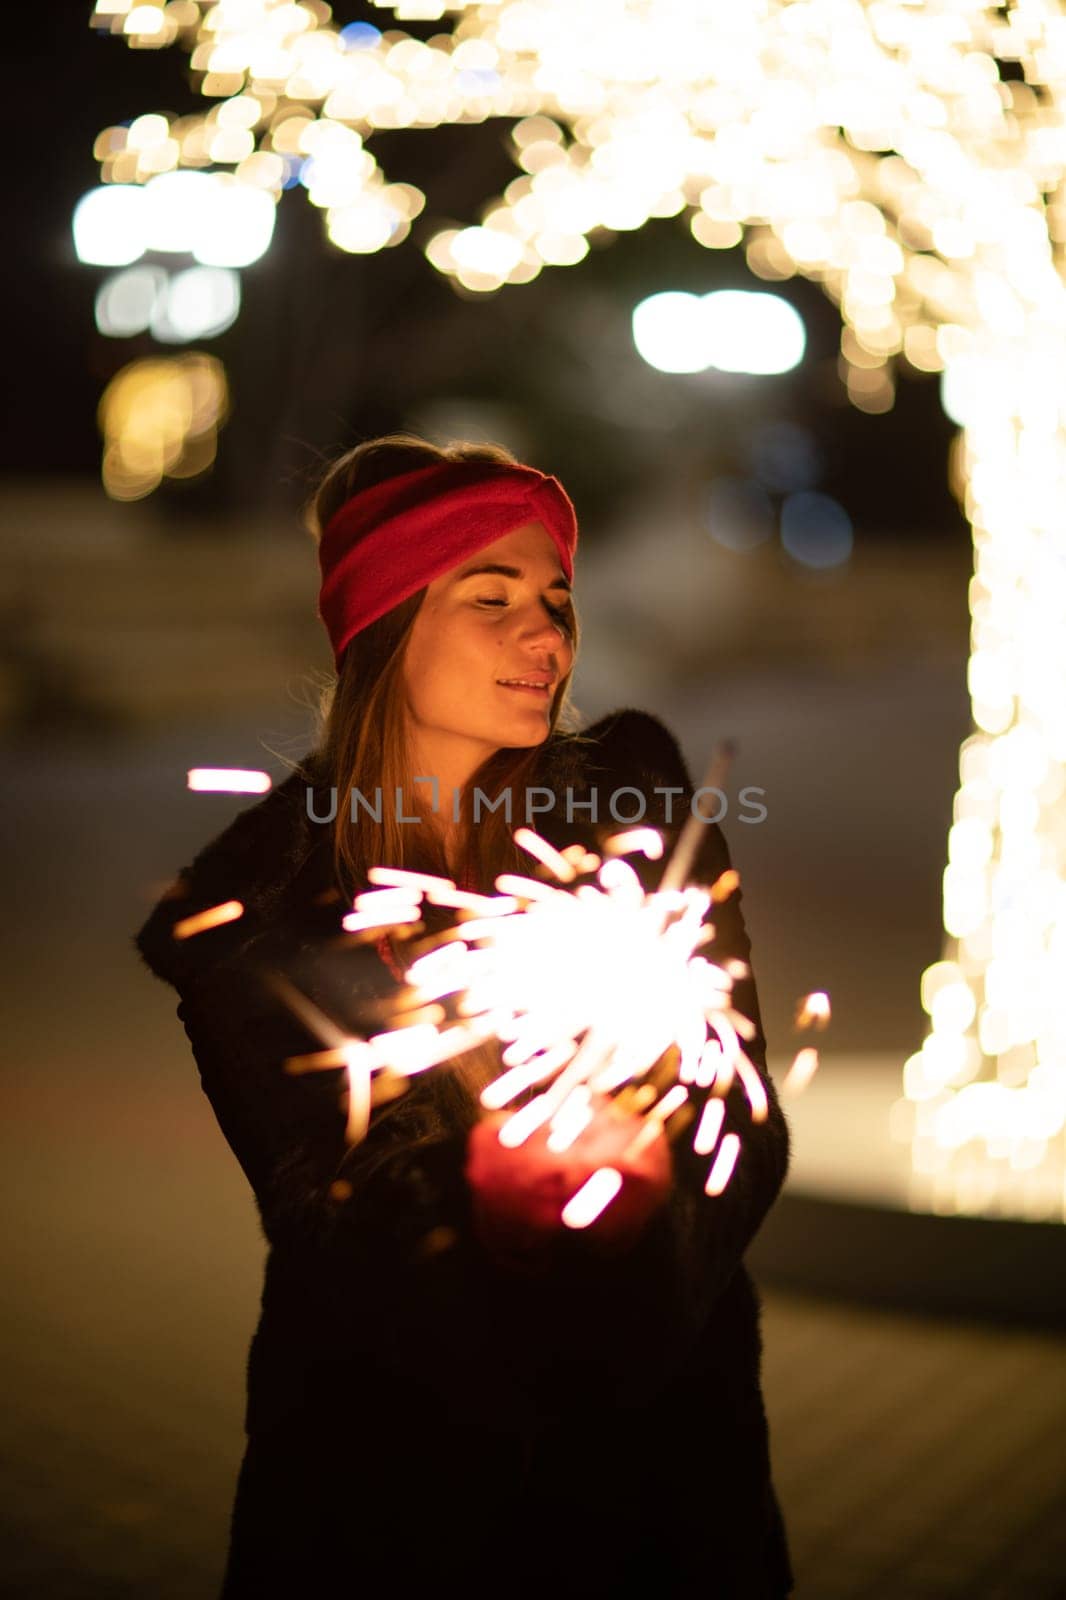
(419, 1413)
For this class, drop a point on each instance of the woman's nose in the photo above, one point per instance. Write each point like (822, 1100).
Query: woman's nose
(539, 629)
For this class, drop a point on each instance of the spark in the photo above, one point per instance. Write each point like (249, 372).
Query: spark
(213, 917)
(228, 780)
(800, 1072)
(593, 1198)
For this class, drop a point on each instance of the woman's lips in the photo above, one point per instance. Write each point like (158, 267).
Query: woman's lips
(540, 691)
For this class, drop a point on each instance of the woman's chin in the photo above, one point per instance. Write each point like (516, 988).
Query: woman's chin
(524, 737)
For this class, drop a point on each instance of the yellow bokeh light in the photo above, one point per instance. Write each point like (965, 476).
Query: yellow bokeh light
(160, 418)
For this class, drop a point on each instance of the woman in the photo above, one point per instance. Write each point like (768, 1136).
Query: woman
(446, 1385)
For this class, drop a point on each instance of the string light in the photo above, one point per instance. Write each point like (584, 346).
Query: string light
(873, 148)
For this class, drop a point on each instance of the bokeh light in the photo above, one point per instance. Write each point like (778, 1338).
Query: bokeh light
(740, 513)
(127, 300)
(110, 226)
(752, 332)
(735, 330)
(160, 418)
(199, 303)
(815, 529)
(669, 331)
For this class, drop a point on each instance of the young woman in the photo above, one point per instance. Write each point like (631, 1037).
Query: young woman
(447, 1386)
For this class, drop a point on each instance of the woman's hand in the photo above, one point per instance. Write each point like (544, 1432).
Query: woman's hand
(518, 1194)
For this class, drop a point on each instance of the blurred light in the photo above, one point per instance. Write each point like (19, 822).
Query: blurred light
(110, 225)
(177, 205)
(360, 36)
(238, 227)
(735, 330)
(740, 514)
(159, 418)
(125, 302)
(956, 392)
(199, 303)
(785, 456)
(752, 332)
(815, 529)
(670, 332)
(211, 216)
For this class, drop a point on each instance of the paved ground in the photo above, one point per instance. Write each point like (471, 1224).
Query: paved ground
(913, 1459)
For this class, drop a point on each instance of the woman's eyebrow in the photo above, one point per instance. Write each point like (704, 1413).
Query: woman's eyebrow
(558, 582)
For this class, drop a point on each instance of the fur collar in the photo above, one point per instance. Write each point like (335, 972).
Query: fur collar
(260, 855)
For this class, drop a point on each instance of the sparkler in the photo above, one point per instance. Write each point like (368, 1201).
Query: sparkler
(604, 997)
(595, 989)
(588, 982)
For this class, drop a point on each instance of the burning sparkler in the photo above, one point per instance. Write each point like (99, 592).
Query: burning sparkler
(599, 992)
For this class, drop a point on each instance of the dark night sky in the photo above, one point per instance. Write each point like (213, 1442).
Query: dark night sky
(329, 347)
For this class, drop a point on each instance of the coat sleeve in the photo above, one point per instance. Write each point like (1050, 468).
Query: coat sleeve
(287, 1130)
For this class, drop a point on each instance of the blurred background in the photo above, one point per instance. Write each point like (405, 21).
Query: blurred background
(772, 556)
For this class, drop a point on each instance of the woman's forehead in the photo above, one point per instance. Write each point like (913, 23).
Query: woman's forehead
(530, 548)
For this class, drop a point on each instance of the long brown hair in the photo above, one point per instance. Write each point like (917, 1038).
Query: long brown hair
(363, 739)
(363, 742)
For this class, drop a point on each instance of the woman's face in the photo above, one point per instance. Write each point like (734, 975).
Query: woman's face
(486, 652)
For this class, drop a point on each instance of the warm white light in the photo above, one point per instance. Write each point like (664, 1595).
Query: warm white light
(751, 332)
(228, 780)
(177, 204)
(211, 216)
(237, 227)
(110, 225)
(735, 330)
(125, 302)
(670, 332)
(199, 303)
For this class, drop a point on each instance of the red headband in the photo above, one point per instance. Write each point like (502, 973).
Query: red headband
(389, 541)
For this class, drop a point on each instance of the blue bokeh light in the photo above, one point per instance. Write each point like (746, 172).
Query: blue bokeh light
(816, 530)
(360, 36)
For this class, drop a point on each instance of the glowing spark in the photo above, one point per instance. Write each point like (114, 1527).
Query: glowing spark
(752, 1087)
(541, 850)
(724, 1162)
(228, 780)
(709, 1127)
(213, 917)
(357, 921)
(359, 1064)
(726, 885)
(647, 840)
(594, 1196)
(571, 1119)
(800, 1072)
(515, 1082)
(318, 1060)
(813, 1010)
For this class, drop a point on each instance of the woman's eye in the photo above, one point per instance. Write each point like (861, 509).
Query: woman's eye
(560, 617)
